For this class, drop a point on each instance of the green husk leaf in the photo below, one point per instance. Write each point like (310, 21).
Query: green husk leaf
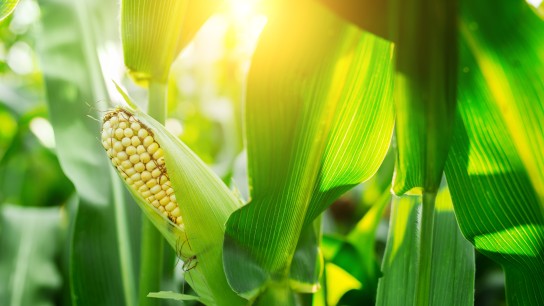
(319, 120)
(496, 164)
(205, 204)
(31, 240)
(6, 8)
(452, 276)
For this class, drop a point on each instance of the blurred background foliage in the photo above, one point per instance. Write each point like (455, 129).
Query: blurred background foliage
(205, 106)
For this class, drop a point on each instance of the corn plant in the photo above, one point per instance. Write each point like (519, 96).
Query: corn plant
(429, 110)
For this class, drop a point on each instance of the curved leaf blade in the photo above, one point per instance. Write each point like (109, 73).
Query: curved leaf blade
(425, 35)
(319, 120)
(101, 270)
(6, 8)
(495, 163)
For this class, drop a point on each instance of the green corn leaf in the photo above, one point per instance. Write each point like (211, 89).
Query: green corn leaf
(319, 120)
(425, 35)
(496, 160)
(205, 203)
(369, 15)
(154, 32)
(6, 8)
(173, 296)
(452, 277)
(101, 271)
(31, 240)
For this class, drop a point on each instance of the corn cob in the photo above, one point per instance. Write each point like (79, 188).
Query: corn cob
(139, 159)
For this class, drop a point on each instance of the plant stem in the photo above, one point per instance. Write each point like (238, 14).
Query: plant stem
(151, 264)
(423, 282)
(121, 225)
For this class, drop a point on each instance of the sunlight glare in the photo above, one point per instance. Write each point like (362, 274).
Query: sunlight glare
(535, 3)
(241, 9)
(43, 130)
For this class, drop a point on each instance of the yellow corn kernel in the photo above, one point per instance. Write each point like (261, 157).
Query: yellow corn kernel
(138, 157)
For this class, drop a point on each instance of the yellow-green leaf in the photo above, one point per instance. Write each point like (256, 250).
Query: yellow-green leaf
(495, 168)
(319, 119)
(452, 276)
(7, 7)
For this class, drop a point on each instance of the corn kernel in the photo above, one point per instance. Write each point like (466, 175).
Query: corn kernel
(155, 189)
(165, 201)
(170, 206)
(135, 126)
(146, 176)
(126, 164)
(156, 173)
(150, 166)
(151, 183)
(134, 158)
(117, 146)
(148, 141)
(152, 148)
(142, 134)
(122, 156)
(145, 157)
(158, 154)
(119, 134)
(161, 194)
(143, 189)
(138, 184)
(135, 141)
(139, 167)
(126, 142)
(130, 171)
(176, 212)
(130, 150)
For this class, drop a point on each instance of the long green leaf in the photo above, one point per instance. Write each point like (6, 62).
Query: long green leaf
(31, 240)
(101, 270)
(319, 120)
(425, 34)
(495, 164)
(452, 276)
(7, 7)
